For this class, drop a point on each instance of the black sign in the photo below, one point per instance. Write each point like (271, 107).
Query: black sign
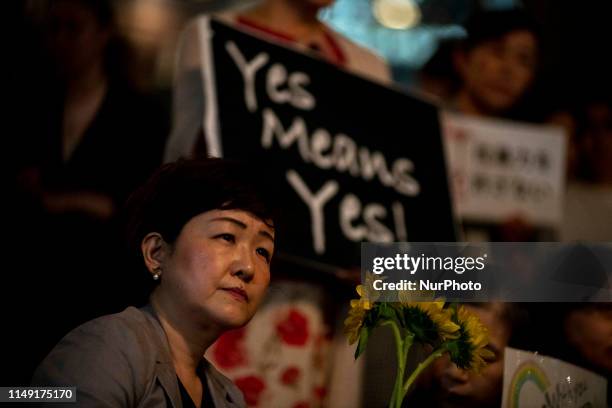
(356, 161)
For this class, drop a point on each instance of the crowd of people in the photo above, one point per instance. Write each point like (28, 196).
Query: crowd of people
(88, 137)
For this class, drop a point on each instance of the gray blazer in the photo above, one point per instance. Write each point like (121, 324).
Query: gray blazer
(123, 360)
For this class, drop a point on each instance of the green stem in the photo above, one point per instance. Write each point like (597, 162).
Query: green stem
(422, 366)
(400, 380)
(400, 365)
(402, 347)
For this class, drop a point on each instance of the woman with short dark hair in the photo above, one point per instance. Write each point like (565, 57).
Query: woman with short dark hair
(205, 233)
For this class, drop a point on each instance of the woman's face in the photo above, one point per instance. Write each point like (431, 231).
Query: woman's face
(76, 40)
(590, 332)
(497, 73)
(458, 388)
(219, 267)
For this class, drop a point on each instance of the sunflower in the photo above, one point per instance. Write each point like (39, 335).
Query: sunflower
(358, 311)
(469, 351)
(354, 321)
(412, 296)
(429, 321)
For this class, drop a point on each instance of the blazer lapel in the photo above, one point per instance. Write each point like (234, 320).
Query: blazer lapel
(222, 391)
(167, 379)
(166, 375)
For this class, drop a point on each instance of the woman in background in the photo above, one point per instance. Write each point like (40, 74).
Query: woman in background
(286, 359)
(490, 72)
(444, 385)
(291, 23)
(87, 139)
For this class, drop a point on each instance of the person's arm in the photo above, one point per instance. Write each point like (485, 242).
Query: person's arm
(188, 97)
(94, 204)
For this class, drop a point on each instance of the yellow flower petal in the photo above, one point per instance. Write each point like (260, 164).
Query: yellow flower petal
(441, 317)
(477, 337)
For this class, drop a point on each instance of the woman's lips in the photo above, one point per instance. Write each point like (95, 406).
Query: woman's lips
(238, 293)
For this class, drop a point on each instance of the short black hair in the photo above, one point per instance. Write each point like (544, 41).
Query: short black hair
(484, 26)
(181, 190)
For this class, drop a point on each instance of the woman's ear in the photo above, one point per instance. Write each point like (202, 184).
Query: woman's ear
(154, 251)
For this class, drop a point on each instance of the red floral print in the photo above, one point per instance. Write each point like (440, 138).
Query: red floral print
(302, 404)
(228, 351)
(252, 387)
(320, 392)
(290, 375)
(293, 330)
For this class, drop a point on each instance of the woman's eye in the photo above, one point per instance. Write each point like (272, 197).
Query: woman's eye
(226, 237)
(264, 252)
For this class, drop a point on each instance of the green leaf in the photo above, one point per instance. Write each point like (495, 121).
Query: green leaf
(364, 335)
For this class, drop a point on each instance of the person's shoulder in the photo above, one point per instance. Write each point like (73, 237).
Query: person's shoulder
(131, 330)
(109, 342)
(362, 60)
(117, 323)
(110, 360)
(228, 17)
(225, 17)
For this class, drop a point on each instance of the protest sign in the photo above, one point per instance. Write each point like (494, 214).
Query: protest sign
(354, 160)
(502, 169)
(534, 380)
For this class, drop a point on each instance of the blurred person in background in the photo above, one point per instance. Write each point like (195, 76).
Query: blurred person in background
(597, 140)
(444, 385)
(491, 71)
(588, 330)
(588, 200)
(494, 69)
(92, 116)
(497, 63)
(288, 22)
(579, 333)
(299, 307)
(87, 140)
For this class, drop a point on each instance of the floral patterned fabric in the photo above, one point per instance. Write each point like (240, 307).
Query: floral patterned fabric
(282, 357)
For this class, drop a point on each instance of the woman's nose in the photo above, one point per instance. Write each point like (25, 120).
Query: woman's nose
(456, 374)
(243, 265)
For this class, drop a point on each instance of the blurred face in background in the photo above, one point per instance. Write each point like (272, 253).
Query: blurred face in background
(498, 72)
(77, 40)
(590, 332)
(597, 140)
(453, 387)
